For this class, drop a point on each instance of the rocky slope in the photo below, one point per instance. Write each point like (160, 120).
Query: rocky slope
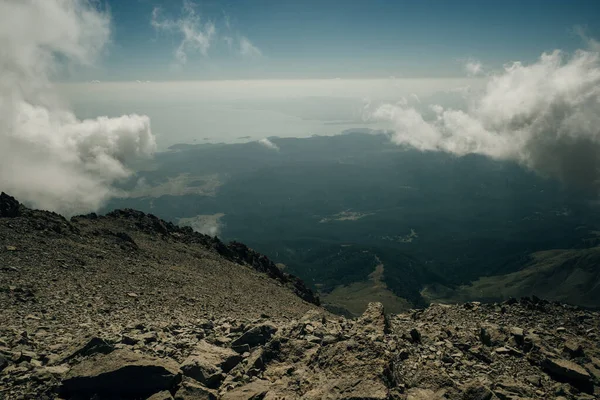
(127, 306)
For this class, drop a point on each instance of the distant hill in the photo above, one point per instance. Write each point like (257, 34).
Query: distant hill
(569, 276)
(329, 207)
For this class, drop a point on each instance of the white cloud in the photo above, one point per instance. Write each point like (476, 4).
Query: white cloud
(474, 67)
(48, 157)
(545, 116)
(436, 108)
(206, 224)
(248, 49)
(268, 144)
(196, 36)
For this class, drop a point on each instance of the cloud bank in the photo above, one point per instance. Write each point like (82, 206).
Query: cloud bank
(544, 116)
(49, 158)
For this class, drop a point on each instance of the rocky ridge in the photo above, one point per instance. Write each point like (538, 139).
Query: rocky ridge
(127, 306)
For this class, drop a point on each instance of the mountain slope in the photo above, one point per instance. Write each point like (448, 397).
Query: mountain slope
(128, 307)
(131, 260)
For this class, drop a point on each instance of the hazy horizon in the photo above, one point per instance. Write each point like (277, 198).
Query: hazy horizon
(224, 111)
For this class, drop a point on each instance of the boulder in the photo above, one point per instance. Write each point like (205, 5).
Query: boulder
(207, 363)
(121, 373)
(255, 336)
(255, 362)
(191, 390)
(573, 349)
(518, 335)
(490, 335)
(374, 320)
(569, 372)
(477, 392)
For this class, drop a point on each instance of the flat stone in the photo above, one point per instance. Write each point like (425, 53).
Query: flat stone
(120, 373)
(508, 351)
(87, 348)
(254, 390)
(569, 372)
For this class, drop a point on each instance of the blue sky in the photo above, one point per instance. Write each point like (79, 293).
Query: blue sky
(347, 39)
